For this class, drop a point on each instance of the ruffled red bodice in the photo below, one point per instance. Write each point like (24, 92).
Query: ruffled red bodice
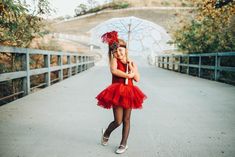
(121, 66)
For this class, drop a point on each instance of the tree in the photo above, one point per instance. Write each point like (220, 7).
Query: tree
(17, 25)
(209, 31)
(80, 10)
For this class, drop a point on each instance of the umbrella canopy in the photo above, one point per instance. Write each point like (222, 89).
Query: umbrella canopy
(140, 35)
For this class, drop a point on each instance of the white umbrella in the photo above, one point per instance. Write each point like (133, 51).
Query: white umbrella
(140, 34)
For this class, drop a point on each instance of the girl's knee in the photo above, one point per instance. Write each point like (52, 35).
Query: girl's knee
(118, 122)
(126, 120)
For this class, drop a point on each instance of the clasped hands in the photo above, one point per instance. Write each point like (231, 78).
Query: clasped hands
(132, 70)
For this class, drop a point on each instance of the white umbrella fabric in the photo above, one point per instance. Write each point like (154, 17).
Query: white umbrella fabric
(140, 34)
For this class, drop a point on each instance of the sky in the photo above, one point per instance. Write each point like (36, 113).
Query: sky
(66, 7)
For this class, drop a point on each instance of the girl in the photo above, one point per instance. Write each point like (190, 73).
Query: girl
(119, 96)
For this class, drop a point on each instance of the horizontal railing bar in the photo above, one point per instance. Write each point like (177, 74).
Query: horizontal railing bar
(222, 68)
(12, 75)
(207, 67)
(55, 68)
(227, 54)
(55, 80)
(198, 55)
(42, 84)
(38, 71)
(9, 96)
(12, 49)
(7, 49)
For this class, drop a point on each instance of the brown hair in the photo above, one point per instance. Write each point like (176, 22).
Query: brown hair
(122, 43)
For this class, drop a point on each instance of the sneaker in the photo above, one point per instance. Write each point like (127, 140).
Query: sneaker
(104, 140)
(121, 149)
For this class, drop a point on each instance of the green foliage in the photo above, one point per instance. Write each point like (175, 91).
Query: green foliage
(83, 9)
(80, 10)
(17, 26)
(120, 5)
(165, 3)
(210, 31)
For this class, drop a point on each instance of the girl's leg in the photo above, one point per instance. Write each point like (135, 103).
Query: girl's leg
(118, 115)
(126, 126)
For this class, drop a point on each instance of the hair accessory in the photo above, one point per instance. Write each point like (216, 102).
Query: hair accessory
(122, 46)
(111, 38)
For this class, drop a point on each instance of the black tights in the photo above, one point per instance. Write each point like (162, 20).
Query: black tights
(121, 115)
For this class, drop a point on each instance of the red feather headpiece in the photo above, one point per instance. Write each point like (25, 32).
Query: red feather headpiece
(110, 37)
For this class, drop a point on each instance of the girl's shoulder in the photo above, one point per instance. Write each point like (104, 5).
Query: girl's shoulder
(113, 60)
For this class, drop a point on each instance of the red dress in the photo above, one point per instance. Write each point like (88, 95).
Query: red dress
(119, 94)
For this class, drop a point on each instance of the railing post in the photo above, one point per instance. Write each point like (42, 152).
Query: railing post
(83, 65)
(86, 61)
(69, 63)
(199, 66)
(79, 67)
(26, 67)
(60, 63)
(47, 62)
(93, 59)
(188, 58)
(162, 61)
(89, 59)
(217, 65)
(179, 66)
(173, 62)
(156, 61)
(76, 62)
(167, 64)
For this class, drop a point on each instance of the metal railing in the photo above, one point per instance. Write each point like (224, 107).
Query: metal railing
(177, 62)
(82, 62)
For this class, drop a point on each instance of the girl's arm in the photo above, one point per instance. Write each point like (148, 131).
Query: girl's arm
(117, 72)
(134, 68)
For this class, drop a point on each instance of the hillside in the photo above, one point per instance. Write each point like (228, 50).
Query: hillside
(163, 17)
(158, 3)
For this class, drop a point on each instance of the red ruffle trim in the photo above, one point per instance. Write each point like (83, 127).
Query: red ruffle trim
(119, 94)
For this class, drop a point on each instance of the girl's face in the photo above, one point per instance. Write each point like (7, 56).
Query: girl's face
(120, 53)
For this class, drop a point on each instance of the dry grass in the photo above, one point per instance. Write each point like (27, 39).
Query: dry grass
(150, 3)
(164, 18)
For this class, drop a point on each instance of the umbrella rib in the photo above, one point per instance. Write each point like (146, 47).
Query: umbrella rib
(142, 45)
(136, 26)
(140, 29)
(123, 25)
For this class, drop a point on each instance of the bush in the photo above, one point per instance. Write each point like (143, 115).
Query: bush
(120, 5)
(210, 31)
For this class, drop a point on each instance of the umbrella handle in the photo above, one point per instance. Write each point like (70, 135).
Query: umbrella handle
(126, 80)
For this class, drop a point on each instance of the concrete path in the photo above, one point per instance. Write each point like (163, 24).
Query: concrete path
(184, 116)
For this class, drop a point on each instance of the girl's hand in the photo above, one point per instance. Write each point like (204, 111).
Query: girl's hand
(131, 75)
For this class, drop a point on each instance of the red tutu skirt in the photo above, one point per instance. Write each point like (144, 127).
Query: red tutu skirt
(119, 94)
